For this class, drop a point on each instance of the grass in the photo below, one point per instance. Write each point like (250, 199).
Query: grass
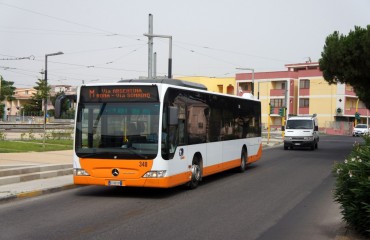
(35, 146)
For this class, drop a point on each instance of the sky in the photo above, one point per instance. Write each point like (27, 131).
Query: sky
(103, 41)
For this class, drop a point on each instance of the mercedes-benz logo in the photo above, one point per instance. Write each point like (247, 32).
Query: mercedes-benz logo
(115, 172)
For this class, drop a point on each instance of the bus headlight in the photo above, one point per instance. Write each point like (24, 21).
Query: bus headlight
(155, 174)
(80, 172)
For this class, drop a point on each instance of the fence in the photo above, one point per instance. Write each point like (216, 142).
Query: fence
(33, 119)
(338, 128)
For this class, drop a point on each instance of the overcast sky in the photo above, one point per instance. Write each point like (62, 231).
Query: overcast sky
(103, 41)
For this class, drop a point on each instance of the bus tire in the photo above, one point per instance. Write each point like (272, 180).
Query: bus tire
(196, 173)
(243, 161)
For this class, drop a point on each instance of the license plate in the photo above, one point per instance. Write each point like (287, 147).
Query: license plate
(297, 144)
(114, 183)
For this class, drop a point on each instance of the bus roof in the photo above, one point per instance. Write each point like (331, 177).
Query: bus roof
(170, 81)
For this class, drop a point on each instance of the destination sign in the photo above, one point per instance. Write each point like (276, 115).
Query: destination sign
(119, 94)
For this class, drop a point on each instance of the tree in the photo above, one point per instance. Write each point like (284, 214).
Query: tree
(346, 59)
(35, 106)
(7, 90)
(42, 88)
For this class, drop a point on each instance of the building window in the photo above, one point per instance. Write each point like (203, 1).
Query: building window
(304, 102)
(277, 102)
(304, 84)
(220, 88)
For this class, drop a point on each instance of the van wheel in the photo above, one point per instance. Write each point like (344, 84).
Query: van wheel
(196, 173)
(317, 145)
(313, 146)
(243, 161)
(286, 147)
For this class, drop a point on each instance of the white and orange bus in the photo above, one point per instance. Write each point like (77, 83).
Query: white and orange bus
(161, 133)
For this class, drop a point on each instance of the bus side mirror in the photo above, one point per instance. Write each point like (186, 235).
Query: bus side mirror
(173, 113)
(282, 128)
(316, 128)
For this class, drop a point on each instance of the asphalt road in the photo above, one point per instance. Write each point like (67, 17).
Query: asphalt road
(286, 195)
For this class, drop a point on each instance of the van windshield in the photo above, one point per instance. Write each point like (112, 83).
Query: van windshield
(299, 124)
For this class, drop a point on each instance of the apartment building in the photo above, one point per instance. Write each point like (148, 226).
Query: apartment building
(302, 90)
(23, 95)
(213, 84)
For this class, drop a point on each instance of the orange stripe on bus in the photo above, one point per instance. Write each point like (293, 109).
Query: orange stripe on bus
(256, 157)
(131, 172)
(166, 182)
(102, 168)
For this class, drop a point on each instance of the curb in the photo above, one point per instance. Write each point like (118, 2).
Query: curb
(266, 146)
(36, 193)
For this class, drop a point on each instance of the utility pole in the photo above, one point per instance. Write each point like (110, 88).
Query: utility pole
(150, 46)
(150, 36)
(46, 93)
(155, 66)
(285, 114)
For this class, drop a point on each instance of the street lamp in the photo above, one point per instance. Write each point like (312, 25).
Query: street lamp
(170, 53)
(258, 91)
(46, 94)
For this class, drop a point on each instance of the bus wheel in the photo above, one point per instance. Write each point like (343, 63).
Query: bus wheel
(196, 173)
(243, 161)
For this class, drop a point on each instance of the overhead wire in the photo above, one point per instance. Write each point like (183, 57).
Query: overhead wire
(233, 52)
(108, 33)
(196, 49)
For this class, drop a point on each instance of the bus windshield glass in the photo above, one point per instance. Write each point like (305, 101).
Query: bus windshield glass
(115, 129)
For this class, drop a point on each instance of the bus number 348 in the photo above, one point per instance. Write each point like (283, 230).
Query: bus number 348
(143, 164)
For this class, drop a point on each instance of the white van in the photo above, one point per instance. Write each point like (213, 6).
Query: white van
(301, 131)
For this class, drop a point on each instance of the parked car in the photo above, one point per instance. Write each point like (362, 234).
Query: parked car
(360, 129)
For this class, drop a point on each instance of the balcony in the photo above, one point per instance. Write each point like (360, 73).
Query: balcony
(361, 111)
(304, 92)
(277, 92)
(304, 110)
(244, 91)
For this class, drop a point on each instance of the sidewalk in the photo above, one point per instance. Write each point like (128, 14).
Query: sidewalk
(34, 158)
(39, 186)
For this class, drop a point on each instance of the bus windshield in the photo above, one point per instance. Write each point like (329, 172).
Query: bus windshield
(117, 130)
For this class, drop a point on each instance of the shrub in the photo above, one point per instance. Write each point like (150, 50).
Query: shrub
(2, 135)
(352, 190)
(66, 134)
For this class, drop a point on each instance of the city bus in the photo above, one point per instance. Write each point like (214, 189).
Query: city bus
(161, 133)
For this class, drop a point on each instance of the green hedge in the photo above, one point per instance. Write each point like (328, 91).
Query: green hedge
(352, 190)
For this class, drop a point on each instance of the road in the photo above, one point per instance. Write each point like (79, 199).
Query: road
(286, 195)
